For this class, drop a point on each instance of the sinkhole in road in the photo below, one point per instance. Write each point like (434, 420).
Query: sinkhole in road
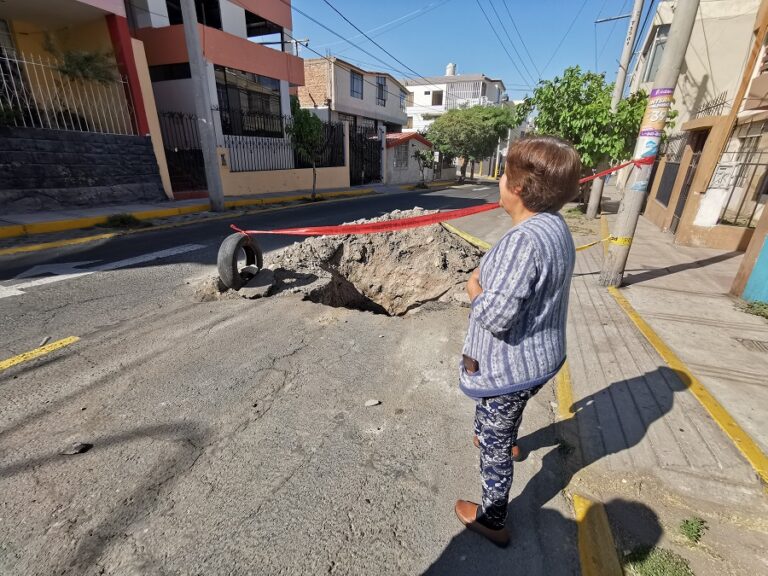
(388, 273)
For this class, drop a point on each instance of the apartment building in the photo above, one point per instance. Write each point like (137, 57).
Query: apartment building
(433, 96)
(336, 90)
(247, 45)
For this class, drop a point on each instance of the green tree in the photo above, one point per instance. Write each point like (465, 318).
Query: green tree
(425, 158)
(471, 133)
(307, 136)
(577, 107)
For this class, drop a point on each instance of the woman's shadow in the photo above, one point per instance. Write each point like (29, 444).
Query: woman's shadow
(543, 540)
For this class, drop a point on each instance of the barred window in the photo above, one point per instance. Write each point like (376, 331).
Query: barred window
(381, 90)
(401, 156)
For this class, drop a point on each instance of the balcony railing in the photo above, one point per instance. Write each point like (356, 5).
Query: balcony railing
(39, 92)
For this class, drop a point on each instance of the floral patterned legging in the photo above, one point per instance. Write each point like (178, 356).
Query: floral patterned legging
(497, 420)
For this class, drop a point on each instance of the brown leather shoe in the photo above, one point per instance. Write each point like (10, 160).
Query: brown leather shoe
(466, 512)
(516, 454)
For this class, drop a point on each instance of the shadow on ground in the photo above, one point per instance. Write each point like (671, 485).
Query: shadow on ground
(574, 444)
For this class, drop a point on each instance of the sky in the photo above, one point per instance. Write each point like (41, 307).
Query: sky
(425, 35)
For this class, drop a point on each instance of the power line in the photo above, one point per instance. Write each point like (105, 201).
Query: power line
(346, 69)
(560, 44)
(401, 21)
(499, 39)
(522, 61)
(511, 19)
(613, 29)
(640, 33)
(387, 52)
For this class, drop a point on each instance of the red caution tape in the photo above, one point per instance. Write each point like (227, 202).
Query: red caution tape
(416, 221)
(373, 227)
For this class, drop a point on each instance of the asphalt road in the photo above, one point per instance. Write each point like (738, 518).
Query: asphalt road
(86, 303)
(232, 437)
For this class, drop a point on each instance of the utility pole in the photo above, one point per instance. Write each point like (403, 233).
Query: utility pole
(647, 146)
(626, 54)
(596, 192)
(203, 111)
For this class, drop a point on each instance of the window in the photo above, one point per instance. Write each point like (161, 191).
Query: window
(401, 156)
(165, 72)
(437, 98)
(483, 89)
(352, 120)
(208, 12)
(656, 52)
(381, 90)
(356, 85)
(249, 104)
(409, 99)
(427, 92)
(403, 97)
(409, 122)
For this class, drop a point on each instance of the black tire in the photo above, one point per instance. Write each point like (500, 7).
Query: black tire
(229, 251)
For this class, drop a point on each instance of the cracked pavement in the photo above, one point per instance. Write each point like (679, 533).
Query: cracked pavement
(231, 437)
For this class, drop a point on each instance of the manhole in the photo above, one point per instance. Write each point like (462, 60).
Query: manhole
(754, 345)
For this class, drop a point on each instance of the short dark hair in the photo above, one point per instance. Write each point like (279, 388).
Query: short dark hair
(546, 169)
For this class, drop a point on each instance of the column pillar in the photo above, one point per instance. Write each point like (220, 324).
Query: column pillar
(126, 64)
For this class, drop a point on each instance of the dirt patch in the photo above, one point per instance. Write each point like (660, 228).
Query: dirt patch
(389, 273)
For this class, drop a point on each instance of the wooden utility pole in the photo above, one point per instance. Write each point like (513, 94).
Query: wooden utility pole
(647, 146)
(199, 72)
(596, 193)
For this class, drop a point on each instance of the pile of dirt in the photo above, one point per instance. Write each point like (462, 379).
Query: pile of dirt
(390, 273)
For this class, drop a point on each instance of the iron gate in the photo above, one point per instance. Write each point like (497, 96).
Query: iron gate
(183, 151)
(364, 155)
(672, 149)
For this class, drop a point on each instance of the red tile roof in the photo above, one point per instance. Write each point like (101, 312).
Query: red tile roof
(397, 138)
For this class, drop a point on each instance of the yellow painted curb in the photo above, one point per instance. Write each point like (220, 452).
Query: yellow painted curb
(437, 184)
(475, 241)
(17, 230)
(37, 352)
(57, 244)
(338, 196)
(597, 550)
(11, 231)
(743, 441)
(564, 393)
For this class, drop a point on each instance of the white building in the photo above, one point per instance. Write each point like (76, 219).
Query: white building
(400, 164)
(431, 97)
(336, 91)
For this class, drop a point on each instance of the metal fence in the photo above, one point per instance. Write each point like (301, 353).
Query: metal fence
(251, 150)
(183, 151)
(714, 107)
(36, 92)
(743, 173)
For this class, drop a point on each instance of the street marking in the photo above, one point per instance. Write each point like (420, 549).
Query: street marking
(480, 189)
(743, 441)
(564, 393)
(71, 270)
(597, 551)
(37, 352)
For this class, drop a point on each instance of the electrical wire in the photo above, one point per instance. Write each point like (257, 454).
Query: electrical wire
(570, 27)
(522, 60)
(401, 21)
(520, 36)
(487, 19)
(612, 30)
(387, 52)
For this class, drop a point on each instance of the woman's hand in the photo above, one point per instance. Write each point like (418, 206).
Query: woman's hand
(473, 285)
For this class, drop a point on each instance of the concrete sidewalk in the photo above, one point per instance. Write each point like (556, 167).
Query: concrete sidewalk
(638, 431)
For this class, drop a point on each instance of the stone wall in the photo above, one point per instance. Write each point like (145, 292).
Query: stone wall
(50, 169)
